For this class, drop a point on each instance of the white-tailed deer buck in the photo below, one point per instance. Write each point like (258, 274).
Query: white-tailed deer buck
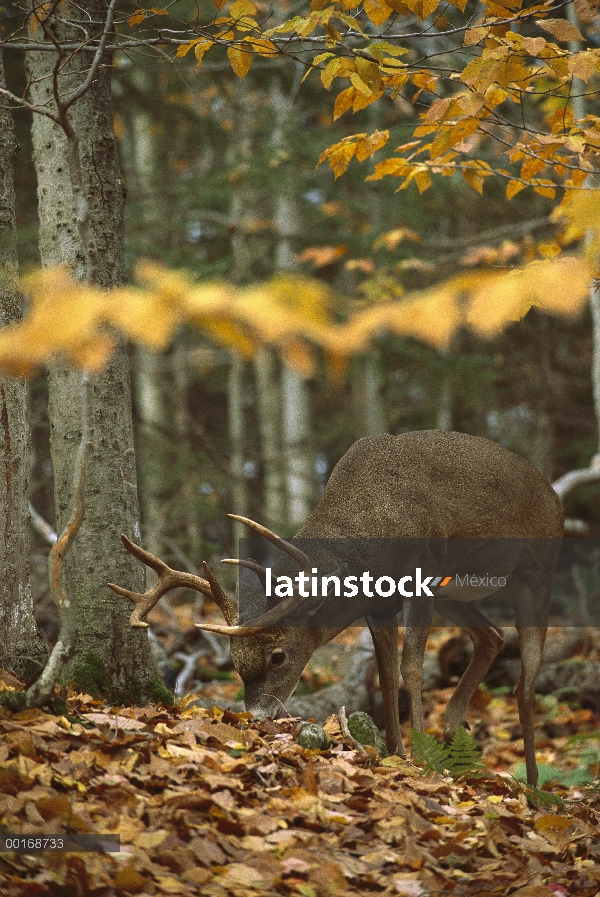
(428, 485)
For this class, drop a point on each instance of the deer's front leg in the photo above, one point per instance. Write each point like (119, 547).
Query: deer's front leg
(385, 640)
(417, 621)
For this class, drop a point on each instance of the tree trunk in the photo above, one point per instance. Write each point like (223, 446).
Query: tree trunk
(240, 154)
(295, 395)
(21, 648)
(148, 379)
(268, 396)
(111, 659)
(368, 401)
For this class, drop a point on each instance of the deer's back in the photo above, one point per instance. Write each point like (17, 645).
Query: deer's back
(437, 484)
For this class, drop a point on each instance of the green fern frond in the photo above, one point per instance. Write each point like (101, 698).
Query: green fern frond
(425, 749)
(464, 754)
(460, 757)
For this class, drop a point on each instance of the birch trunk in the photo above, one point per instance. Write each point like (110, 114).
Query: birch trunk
(295, 395)
(111, 659)
(148, 380)
(240, 154)
(21, 648)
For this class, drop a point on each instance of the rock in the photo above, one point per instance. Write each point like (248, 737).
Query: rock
(312, 737)
(364, 730)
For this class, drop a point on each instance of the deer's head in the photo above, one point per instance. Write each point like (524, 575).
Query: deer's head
(269, 659)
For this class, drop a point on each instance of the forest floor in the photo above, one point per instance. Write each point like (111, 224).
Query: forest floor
(210, 802)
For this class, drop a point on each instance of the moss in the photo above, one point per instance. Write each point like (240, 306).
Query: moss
(90, 677)
(13, 700)
(159, 693)
(365, 731)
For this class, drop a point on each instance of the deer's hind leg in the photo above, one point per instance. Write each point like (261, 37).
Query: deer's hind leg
(531, 597)
(487, 641)
(385, 640)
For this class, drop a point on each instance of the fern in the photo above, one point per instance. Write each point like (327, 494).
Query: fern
(460, 757)
(464, 754)
(543, 800)
(425, 749)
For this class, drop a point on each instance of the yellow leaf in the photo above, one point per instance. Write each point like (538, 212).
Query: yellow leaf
(550, 249)
(359, 84)
(362, 100)
(339, 156)
(514, 187)
(219, 4)
(423, 179)
(242, 8)
(159, 12)
(584, 64)
(422, 8)
(534, 45)
(474, 178)
(561, 29)
(559, 286)
(331, 70)
(343, 102)
(473, 36)
(377, 10)
(183, 49)
(319, 256)
(137, 17)
(543, 190)
(262, 47)
(396, 762)
(240, 61)
(200, 49)
(369, 73)
(395, 167)
(366, 147)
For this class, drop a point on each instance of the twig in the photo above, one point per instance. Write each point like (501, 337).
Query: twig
(343, 720)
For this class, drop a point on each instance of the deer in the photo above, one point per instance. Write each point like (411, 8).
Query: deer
(428, 485)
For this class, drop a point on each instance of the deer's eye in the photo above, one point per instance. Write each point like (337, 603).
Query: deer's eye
(277, 658)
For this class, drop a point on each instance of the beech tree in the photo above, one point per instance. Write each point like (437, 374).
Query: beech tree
(80, 196)
(21, 649)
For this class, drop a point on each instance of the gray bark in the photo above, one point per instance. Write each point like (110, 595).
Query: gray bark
(237, 434)
(148, 377)
(21, 648)
(268, 395)
(295, 396)
(110, 657)
(240, 153)
(369, 403)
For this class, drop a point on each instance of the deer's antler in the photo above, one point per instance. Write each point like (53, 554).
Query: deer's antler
(290, 549)
(282, 610)
(260, 571)
(170, 579)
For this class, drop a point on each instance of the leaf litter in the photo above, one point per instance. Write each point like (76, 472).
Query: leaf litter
(212, 802)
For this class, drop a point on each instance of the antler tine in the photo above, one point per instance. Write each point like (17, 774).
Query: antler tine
(167, 579)
(251, 565)
(220, 598)
(266, 621)
(290, 549)
(260, 571)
